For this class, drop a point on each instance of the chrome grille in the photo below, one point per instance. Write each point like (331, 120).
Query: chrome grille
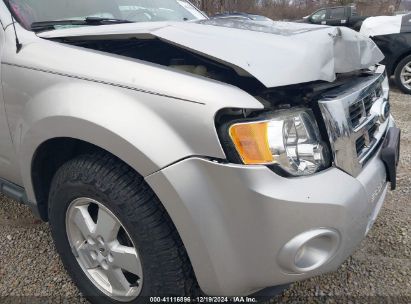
(361, 109)
(360, 145)
(364, 141)
(373, 130)
(356, 113)
(369, 101)
(355, 120)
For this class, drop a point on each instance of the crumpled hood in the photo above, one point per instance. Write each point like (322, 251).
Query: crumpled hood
(278, 54)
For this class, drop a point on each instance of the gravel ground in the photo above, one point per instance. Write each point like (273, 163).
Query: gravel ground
(379, 271)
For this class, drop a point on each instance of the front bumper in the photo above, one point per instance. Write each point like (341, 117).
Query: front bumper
(235, 220)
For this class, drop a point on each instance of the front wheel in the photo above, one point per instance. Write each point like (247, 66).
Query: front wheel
(403, 75)
(113, 235)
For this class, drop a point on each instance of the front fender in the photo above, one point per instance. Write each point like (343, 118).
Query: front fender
(146, 131)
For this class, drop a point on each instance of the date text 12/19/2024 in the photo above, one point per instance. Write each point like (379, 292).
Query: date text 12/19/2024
(203, 300)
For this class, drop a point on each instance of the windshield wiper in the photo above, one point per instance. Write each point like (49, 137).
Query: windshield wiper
(104, 20)
(51, 25)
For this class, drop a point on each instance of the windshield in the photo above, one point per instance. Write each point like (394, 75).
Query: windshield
(29, 11)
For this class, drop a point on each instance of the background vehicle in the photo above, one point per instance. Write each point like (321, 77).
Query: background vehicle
(169, 150)
(392, 34)
(336, 16)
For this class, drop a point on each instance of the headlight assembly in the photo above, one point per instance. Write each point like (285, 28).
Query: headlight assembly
(289, 139)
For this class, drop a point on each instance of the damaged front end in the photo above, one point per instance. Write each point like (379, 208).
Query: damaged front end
(287, 67)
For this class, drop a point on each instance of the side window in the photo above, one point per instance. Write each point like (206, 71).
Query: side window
(337, 13)
(319, 16)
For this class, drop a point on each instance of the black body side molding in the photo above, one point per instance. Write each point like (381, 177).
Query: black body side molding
(18, 194)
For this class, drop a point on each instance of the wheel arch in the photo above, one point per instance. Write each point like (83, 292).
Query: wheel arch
(46, 161)
(40, 153)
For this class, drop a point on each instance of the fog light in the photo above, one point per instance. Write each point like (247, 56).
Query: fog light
(309, 250)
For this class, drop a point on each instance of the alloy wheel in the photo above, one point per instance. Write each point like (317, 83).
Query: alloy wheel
(104, 250)
(406, 76)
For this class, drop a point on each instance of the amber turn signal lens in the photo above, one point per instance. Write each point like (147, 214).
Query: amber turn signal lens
(251, 142)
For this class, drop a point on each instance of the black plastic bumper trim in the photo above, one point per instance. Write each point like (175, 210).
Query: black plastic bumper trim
(390, 154)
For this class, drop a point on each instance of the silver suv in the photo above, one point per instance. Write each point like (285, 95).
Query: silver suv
(178, 155)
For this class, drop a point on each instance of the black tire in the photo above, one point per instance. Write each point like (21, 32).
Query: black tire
(397, 74)
(166, 267)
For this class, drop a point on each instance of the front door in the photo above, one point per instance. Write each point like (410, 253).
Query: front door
(8, 164)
